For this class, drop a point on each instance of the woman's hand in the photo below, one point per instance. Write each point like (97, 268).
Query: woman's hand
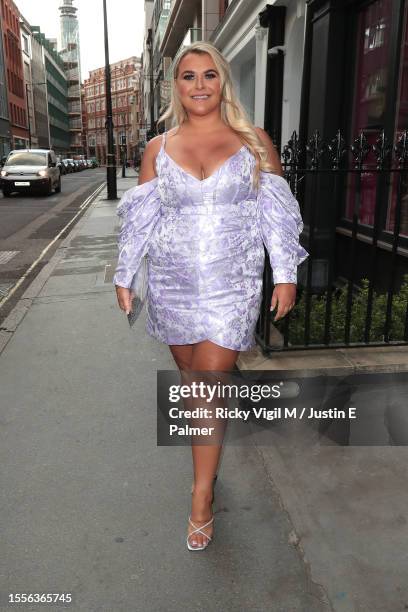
(284, 294)
(124, 298)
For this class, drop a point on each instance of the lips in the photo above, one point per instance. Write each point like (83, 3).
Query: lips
(201, 97)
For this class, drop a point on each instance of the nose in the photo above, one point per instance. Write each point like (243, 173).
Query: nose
(200, 81)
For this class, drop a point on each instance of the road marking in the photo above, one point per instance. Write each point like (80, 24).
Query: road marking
(4, 287)
(88, 200)
(5, 256)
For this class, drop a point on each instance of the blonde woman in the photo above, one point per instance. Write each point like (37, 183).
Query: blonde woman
(210, 196)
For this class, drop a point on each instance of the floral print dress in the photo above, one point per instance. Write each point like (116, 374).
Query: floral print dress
(204, 241)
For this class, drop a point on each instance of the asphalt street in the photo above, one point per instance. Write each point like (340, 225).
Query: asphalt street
(30, 223)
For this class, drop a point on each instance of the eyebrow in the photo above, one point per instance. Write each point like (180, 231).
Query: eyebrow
(205, 71)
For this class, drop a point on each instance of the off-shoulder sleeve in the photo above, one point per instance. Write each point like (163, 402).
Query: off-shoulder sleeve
(139, 210)
(280, 224)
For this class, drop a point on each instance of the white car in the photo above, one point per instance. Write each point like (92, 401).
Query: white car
(30, 170)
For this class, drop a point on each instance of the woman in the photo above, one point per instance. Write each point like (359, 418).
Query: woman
(210, 195)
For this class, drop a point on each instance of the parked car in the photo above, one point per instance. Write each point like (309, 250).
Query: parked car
(30, 170)
(73, 164)
(61, 166)
(68, 163)
(95, 163)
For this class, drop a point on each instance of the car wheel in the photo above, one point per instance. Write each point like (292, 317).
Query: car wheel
(58, 187)
(48, 189)
(6, 193)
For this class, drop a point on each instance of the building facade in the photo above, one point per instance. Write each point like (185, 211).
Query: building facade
(15, 75)
(70, 53)
(26, 48)
(124, 82)
(135, 120)
(40, 100)
(147, 123)
(57, 94)
(5, 131)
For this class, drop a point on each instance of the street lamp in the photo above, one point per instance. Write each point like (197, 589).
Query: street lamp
(111, 164)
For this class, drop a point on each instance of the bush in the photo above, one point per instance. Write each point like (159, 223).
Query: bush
(338, 316)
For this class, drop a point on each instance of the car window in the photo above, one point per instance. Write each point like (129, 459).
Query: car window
(25, 158)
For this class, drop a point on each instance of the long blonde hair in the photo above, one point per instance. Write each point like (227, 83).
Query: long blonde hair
(232, 111)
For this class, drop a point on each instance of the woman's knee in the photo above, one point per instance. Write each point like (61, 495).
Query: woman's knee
(207, 355)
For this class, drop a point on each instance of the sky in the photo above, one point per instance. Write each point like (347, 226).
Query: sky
(125, 24)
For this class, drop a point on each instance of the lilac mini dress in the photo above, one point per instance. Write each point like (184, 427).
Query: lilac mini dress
(204, 241)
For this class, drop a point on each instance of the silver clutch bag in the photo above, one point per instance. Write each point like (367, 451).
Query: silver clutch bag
(138, 291)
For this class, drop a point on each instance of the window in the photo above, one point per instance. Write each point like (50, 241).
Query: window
(371, 80)
(26, 47)
(98, 105)
(96, 90)
(27, 159)
(102, 88)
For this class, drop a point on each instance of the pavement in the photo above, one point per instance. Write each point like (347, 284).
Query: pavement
(92, 506)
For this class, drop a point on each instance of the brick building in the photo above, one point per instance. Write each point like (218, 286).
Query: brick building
(15, 75)
(124, 83)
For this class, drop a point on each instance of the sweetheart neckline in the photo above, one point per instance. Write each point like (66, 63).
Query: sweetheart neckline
(211, 175)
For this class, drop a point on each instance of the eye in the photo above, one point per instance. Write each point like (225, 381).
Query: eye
(188, 77)
(211, 75)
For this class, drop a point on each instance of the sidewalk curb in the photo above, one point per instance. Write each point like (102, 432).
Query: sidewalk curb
(17, 314)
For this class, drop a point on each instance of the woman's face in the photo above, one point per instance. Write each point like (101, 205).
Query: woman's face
(198, 83)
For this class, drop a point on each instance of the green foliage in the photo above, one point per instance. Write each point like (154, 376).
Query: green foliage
(338, 316)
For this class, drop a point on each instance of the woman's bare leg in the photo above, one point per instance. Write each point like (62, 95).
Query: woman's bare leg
(207, 356)
(203, 356)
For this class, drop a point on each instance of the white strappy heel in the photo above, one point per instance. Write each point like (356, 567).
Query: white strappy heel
(199, 530)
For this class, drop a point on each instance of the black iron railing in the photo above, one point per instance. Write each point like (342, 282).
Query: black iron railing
(353, 287)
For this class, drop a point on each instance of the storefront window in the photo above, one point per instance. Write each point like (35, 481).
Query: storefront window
(401, 124)
(371, 78)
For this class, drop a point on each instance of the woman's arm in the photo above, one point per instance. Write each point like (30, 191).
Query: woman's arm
(273, 155)
(147, 170)
(284, 294)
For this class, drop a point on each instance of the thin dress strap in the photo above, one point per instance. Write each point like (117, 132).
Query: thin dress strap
(163, 140)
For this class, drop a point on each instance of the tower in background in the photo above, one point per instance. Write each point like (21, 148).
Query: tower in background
(70, 53)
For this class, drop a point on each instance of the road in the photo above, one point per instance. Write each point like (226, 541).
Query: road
(31, 223)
